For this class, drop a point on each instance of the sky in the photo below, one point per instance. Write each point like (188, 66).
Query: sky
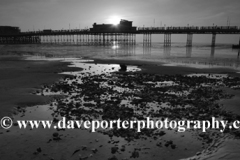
(74, 14)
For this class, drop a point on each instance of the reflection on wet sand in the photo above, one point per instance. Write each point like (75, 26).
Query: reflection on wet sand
(188, 52)
(122, 50)
(212, 52)
(238, 54)
(219, 56)
(189, 59)
(167, 51)
(146, 50)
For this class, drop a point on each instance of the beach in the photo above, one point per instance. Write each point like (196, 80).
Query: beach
(19, 78)
(34, 87)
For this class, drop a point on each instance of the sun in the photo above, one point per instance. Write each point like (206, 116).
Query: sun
(114, 20)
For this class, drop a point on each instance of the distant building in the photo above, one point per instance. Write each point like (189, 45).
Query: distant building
(123, 26)
(7, 30)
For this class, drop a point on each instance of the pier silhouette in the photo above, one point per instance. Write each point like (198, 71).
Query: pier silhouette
(107, 34)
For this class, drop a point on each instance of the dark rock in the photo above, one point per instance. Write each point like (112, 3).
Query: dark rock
(135, 154)
(123, 67)
(55, 134)
(113, 158)
(114, 150)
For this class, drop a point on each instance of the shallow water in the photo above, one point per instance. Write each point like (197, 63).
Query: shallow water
(200, 55)
(96, 69)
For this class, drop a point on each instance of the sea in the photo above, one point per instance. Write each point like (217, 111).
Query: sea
(200, 55)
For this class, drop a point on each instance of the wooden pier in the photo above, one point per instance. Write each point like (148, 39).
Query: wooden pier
(110, 35)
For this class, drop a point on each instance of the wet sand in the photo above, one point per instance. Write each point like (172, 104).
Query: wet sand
(159, 68)
(21, 78)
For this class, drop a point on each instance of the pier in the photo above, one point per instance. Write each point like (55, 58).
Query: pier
(108, 34)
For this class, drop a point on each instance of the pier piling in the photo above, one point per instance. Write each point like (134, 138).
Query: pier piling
(189, 39)
(213, 39)
(167, 39)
